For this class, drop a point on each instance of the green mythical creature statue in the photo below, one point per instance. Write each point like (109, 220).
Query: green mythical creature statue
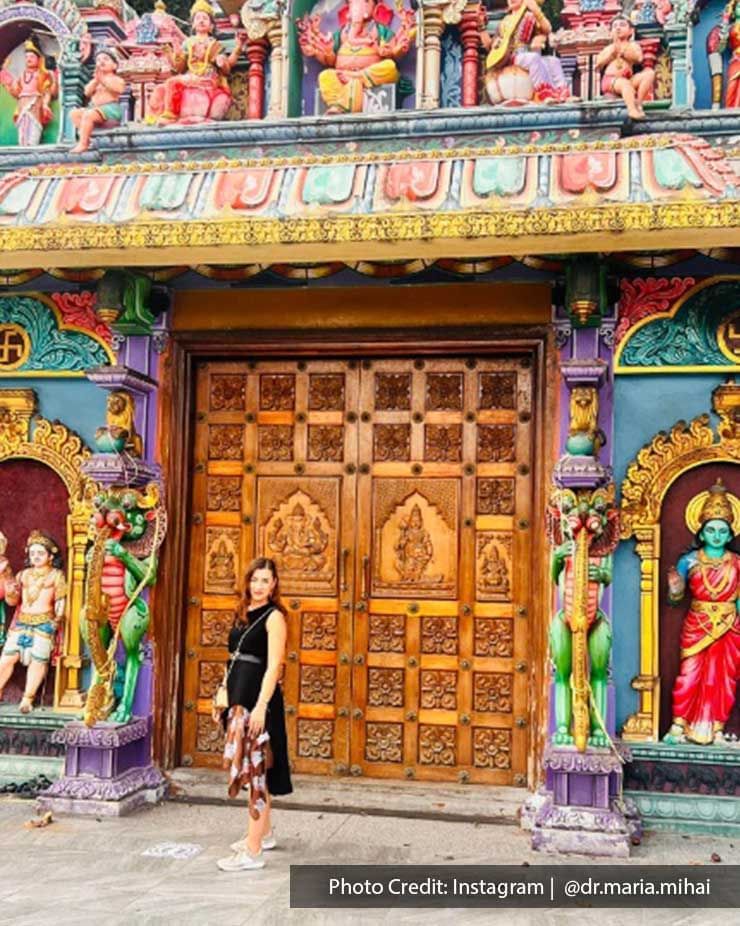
(129, 527)
(583, 529)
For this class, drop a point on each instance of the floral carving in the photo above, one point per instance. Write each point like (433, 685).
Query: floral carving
(392, 391)
(439, 635)
(326, 443)
(317, 684)
(642, 297)
(391, 442)
(225, 442)
(315, 738)
(491, 748)
(275, 442)
(444, 392)
(384, 742)
(326, 392)
(227, 392)
(318, 630)
(385, 687)
(78, 311)
(224, 493)
(209, 678)
(494, 636)
(495, 496)
(496, 443)
(215, 627)
(492, 692)
(387, 633)
(277, 392)
(209, 736)
(437, 745)
(497, 390)
(438, 690)
(443, 443)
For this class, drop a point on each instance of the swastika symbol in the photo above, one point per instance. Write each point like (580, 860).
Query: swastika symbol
(13, 346)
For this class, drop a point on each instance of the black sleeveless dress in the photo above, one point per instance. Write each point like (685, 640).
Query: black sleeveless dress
(245, 681)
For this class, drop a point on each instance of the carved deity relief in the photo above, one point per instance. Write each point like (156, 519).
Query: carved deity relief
(416, 544)
(298, 530)
(493, 566)
(222, 560)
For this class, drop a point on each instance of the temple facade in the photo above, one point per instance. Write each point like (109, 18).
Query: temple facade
(437, 304)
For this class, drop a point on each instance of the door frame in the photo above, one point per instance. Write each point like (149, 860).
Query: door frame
(185, 349)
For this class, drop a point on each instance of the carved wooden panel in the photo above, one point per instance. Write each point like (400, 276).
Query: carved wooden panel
(437, 745)
(318, 630)
(224, 493)
(222, 560)
(496, 443)
(391, 442)
(298, 529)
(227, 393)
(496, 496)
(415, 524)
(209, 736)
(392, 391)
(275, 442)
(318, 684)
(215, 627)
(443, 443)
(438, 690)
(444, 392)
(494, 636)
(387, 633)
(493, 692)
(315, 738)
(493, 565)
(385, 687)
(325, 443)
(439, 635)
(277, 392)
(211, 674)
(326, 392)
(384, 742)
(497, 390)
(491, 748)
(225, 442)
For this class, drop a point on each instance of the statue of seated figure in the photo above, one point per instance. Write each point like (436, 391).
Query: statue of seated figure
(618, 62)
(359, 55)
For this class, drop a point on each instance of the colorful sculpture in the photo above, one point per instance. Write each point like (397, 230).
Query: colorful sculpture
(618, 62)
(34, 89)
(516, 69)
(199, 92)
(730, 38)
(40, 590)
(119, 432)
(6, 576)
(583, 528)
(104, 92)
(360, 55)
(129, 529)
(704, 691)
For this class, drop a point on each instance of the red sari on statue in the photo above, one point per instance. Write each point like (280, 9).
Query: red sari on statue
(704, 692)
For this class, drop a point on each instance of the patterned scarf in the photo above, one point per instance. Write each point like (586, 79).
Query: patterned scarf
(247, 758)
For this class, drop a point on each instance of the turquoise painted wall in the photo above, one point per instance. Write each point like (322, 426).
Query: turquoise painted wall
(643, 405)
(76, 402)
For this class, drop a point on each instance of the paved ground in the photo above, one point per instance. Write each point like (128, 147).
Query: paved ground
(84, 870)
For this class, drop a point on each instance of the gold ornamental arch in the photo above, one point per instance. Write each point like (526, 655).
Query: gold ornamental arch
(63, 451)
(649, 477)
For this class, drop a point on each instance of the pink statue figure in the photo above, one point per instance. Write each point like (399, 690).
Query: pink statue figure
(199, 92)
(359, 55)
(730, 38)
(40, 592)
(34, 90)
(516, 69)
(704, 691)
(618, 62)
(6, 576)
(104, 92)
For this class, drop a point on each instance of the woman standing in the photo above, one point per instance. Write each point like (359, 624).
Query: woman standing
(256, 751)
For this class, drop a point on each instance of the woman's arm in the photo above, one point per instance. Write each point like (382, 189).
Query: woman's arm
(277, 635)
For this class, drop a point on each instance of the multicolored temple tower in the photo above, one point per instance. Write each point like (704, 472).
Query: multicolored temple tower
(436, 303)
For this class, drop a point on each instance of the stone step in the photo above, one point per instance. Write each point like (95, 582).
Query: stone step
(26, 749)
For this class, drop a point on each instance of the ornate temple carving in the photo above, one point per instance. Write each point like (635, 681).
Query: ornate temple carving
(222, 560)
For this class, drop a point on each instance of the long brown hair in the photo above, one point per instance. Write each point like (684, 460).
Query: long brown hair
(261, 562)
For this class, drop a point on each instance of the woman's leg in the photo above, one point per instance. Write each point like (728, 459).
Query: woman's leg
(258, 828)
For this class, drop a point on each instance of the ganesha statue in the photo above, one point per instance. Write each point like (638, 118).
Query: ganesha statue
(360, 55)
(199, 90)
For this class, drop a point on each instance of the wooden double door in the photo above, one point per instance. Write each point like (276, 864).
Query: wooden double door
(395, 495)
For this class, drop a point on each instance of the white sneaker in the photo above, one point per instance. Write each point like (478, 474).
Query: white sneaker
(269, 842)
(241, 861)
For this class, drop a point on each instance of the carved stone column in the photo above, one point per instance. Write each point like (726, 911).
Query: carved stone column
(256, 54)
(277, 62)
(471, 23)
(264, 26)
(432, 56)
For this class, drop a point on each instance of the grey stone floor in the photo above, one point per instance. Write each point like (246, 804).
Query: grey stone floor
(83, 870)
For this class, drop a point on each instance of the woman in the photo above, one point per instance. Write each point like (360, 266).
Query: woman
(256, 751)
